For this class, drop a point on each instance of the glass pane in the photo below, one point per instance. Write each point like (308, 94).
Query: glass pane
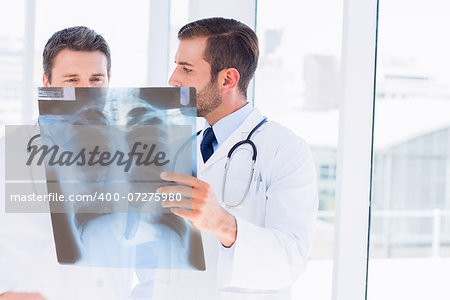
(12, 24)
(296, 85)
(179, 16)
(124, 27)
(410, 225)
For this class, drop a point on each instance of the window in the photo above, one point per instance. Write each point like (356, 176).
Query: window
(410, 226)
(296, 84)
(12, 31)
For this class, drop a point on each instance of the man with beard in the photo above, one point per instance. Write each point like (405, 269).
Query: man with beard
(254, 201)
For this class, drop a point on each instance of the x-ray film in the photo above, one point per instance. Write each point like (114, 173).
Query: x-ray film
(104, 150)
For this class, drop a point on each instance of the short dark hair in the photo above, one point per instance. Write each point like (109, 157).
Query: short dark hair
(78, 38)
(230, 44)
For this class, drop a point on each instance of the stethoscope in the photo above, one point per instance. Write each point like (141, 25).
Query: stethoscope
(229, 156)
(254, 155)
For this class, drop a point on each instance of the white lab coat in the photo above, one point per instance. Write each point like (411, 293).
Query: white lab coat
(274, 224)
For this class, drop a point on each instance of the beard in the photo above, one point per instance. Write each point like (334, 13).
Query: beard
(208, 99)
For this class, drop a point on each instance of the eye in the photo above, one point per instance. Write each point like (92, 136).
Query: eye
(186, 70)
(97, 79)
(71, 80)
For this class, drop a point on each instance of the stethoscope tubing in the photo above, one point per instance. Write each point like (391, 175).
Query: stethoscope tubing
(254, 156)
(229, 156)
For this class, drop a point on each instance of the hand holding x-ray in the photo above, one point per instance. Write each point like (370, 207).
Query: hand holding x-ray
(200, 206)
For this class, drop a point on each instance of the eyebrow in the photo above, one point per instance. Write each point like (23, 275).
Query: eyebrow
(75, 75)
(183, 63)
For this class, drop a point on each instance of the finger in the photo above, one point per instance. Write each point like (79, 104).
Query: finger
(184, 213)
(178, 177)
(183, 203)
(184, 191)
(21, 296)
(37, 297)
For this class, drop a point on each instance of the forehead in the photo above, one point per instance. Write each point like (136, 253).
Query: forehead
(68, 61)
(191, 50)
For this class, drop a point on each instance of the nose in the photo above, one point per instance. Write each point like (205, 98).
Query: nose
(173, 80)
(84, 82)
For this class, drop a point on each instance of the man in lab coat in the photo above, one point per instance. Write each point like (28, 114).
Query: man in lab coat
(256, 238)
(77, 57)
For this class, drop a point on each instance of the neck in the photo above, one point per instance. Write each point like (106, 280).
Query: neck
(222, 111)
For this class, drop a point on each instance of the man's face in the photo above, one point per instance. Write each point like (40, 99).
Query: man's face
(193, 70)
(78, 69)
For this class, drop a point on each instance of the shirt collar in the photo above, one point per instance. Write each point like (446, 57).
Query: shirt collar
(228, 124)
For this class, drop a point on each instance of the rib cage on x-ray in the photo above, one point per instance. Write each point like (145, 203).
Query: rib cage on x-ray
(124, 234)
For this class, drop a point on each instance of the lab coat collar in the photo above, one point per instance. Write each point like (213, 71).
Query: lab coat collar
(240, 134)
(228, 124)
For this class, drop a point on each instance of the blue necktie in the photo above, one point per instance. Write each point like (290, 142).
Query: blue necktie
(206, 146)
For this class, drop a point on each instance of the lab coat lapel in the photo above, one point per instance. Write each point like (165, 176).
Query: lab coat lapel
(240, 134)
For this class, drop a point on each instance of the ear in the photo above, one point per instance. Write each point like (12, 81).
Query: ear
(228, 79)
(45, 80)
